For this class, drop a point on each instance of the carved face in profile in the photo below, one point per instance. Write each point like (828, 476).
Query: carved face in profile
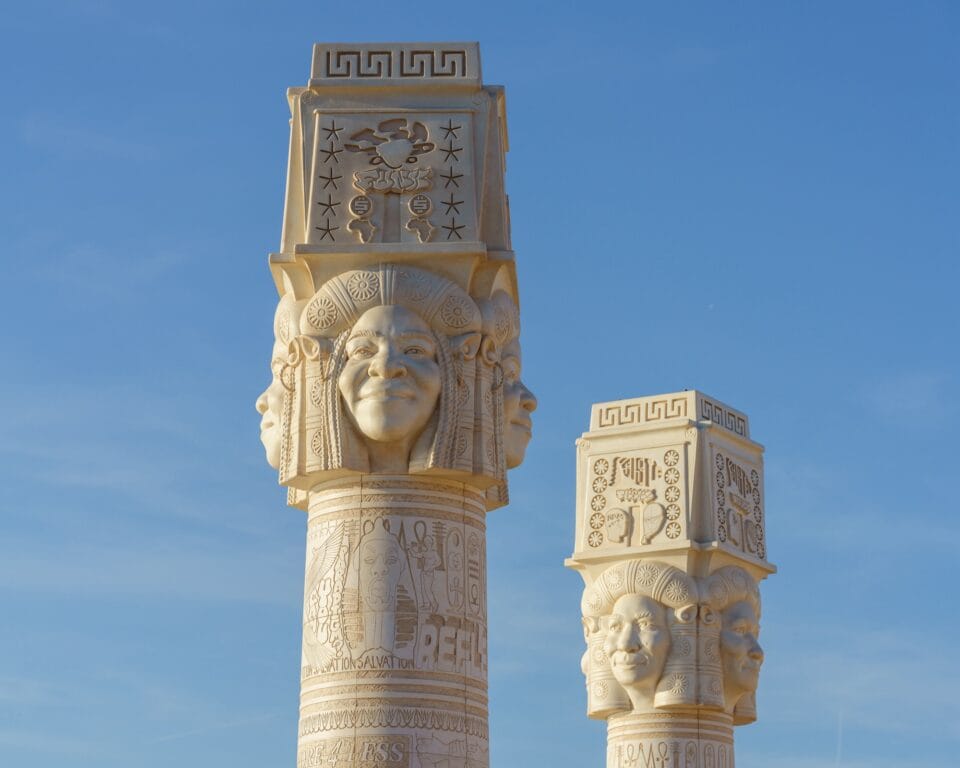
(380, 567)
(740, 652)
(270, 402)
(637, 642)
(518, 405)
(390, 382)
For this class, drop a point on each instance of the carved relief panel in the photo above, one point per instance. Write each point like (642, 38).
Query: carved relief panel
(669, 472)
(737, 499)
(381, 177)
(394, 593)
(635, 498)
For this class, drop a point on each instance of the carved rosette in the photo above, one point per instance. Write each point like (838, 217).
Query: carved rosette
(671, 557)
(396, 406)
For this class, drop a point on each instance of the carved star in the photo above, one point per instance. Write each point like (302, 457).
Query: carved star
(453, 229)
(327, 230)
(451, 178)
(450, 129)
(329, 205)
(451, 151)
(452, 205)
(331, 154)
(333, 131)
(331, 179)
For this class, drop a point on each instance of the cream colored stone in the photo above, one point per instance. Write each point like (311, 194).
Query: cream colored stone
(671, 544)
(396, 404)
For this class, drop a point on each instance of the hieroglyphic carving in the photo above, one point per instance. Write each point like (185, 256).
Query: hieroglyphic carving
(392, 751)
(650, 484)
(372, 600)
(738, 504)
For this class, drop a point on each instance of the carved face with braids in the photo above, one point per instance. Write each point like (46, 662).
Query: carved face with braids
(390, 382)
(396, 340)
(501, 323)
(269, 404)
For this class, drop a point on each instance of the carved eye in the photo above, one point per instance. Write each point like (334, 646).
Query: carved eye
(415, 351)
(412, 159)
(362, 352)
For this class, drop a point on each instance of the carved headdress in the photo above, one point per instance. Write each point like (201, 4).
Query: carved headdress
(670, 587)
(329, 445)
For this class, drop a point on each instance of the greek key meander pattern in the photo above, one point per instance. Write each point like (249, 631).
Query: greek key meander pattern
(395, 62)
(627, 414)
(646, 411)
(724, 417)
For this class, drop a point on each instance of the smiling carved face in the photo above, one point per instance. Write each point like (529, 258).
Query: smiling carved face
(390, 382)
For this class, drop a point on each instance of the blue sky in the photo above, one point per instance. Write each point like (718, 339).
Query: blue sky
(755, 199)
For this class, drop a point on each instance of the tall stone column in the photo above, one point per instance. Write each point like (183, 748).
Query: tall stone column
(396, 404)
(670, 544)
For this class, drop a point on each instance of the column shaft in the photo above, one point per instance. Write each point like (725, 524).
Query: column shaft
(395, 625)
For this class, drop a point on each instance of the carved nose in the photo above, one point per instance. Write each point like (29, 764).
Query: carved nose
(629, 639)
(261, 404)
(528, 400)
(755, 652)
(387, 364)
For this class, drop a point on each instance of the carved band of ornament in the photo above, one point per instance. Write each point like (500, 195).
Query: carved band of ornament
(359, 495)
(396, 62)
(322, 516)
(687, 729)
(394, 717)
(351, 677)
(387, 501)
(723, 417)
(371, 693)
(629, 414)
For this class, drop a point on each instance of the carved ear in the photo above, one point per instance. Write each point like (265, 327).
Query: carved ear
(308, 348)
(488, 350)
(316, 347)
(466, 345)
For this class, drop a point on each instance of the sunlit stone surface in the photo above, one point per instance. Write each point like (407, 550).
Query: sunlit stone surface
(395, 405)
(670, 543)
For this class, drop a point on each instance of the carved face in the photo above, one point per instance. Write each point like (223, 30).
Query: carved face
(381, 565)
(637, 641)
(270, 402)
(518, 405)
(740, 652)
(391, 381)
